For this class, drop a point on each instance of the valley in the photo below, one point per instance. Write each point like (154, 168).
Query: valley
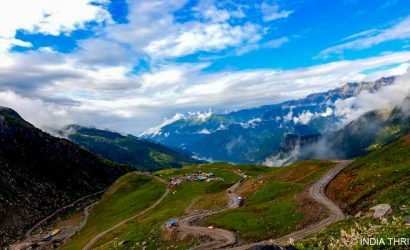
(214, 208)
(124, 192)
(204, 125)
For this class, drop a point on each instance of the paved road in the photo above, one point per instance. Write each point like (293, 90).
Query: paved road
(317, 192)
(220, 237)
(91, 243)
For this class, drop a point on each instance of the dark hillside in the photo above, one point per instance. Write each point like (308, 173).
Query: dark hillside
(130, 150)
(40, 173)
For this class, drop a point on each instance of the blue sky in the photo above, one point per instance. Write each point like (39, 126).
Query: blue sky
(126, 65)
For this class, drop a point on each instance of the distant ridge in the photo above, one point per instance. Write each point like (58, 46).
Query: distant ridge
(129, 150)
(252, 135)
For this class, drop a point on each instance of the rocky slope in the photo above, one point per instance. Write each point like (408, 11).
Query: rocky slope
(40, 173)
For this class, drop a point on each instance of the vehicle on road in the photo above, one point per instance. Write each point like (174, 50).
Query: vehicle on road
(55, 232)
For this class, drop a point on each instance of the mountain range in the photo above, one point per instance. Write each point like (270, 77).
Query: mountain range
(253, 135)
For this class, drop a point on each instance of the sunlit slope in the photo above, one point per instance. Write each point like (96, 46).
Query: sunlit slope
(129, 195)
(276, 203)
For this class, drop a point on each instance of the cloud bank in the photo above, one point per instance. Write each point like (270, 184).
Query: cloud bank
(101, 81)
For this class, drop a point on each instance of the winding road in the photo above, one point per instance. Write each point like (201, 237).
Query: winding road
(64, 235)
(317, 192)
(94, 240)
(220, 237)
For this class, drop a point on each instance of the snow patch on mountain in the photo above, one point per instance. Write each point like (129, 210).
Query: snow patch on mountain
(251, 123)
(200, 116)
(204, 131)
(157, 130)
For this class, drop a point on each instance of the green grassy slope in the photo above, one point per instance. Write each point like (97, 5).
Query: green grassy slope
(183, 198)
(382, 177)
(270, 210)
(129, 195)
(129, 150)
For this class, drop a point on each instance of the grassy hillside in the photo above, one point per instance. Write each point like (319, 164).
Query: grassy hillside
(127, 196)
(182, 200)
(275, 205)
(382, 177)
(129, 150)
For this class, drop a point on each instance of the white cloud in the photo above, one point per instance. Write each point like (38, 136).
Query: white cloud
(101, 88)
(47, 17)
(204, 37)
(46, 115)
(272, 12)
(154, 30)
(386, 98)
(276, 43)
(90, 94)
(304, 118)
(97, 51)
(369, 38)
(329, 111)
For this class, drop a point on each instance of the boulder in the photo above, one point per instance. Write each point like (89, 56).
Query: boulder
(381, 210)
(407, 220)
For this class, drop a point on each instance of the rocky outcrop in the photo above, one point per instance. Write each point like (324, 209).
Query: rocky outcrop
(381, 211)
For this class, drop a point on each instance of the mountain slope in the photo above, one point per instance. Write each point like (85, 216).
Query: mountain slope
(129, 150)
(380, 177)
(40, 173)
(251, 135)
(372, 130)
(361, 136)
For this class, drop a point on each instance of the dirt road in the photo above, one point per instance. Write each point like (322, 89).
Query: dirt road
(65, 233)
(317, 192)
(91, 243)
(220, 238)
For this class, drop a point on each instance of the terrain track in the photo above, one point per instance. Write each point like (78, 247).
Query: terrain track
(63, 236)
(94, 240)
(220, 237)
(317, 192)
